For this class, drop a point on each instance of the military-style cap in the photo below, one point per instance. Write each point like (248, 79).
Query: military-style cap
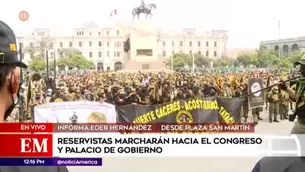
(8, 48)
(301, 62)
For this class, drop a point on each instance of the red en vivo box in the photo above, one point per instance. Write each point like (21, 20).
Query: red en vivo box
(27, 127)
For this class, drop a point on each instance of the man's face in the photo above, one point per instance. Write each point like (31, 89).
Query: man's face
(14, 75)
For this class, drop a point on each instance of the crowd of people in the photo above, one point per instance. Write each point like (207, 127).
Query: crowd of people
(148, 88)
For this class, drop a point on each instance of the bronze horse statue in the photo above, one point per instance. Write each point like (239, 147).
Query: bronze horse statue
(144, 10)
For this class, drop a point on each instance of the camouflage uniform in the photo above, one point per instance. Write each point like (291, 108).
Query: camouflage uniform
(299, 127)
(284, 105)
(14, 116)
(274, 99)
(255, 114)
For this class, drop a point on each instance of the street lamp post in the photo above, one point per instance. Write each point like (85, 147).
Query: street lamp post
(55, 62)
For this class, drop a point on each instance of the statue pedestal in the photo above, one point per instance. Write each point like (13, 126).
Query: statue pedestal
(143, 47)
(143, 41)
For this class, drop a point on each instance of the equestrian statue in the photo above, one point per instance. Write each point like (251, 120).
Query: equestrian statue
(144, 9)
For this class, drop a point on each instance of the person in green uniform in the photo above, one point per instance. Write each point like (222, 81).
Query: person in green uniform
(78, 96)
(299, 97)
(255, 114)
(274, 99)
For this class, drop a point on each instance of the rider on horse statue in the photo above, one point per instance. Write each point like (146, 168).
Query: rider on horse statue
(143, 9)
(143, 4)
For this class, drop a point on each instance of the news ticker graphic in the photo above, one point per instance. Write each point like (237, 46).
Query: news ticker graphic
(50, 161)
(180, 145)
(127, 128)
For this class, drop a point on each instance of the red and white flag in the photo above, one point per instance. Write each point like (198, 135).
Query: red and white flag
(113, 13)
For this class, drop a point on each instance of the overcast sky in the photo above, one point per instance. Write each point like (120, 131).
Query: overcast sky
(247, 21)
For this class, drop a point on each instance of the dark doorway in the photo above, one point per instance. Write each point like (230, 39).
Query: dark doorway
(285, 50)
(295, 48)
(118, 66)
(276, 48)
(100, 66)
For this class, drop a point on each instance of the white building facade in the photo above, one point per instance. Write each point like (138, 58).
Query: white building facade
(104, 46)
(211, 44)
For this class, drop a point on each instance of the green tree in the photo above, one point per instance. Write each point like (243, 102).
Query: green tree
(266, 58)
(223, 62)
(284, 64)
(62, 62)
(37, 64)
(262, 58)
(80, 62)
(220, 63)
(201, 61)
(179, 60)
(233, 62)
(296, 56)
(248, 58)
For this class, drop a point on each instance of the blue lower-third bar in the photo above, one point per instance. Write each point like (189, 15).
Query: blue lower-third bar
(50, 161)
